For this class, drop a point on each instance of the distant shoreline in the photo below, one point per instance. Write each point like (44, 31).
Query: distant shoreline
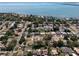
(72, 4)
(41, 15)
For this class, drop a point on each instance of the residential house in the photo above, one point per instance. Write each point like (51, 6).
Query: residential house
(66, 50)
(76, 50)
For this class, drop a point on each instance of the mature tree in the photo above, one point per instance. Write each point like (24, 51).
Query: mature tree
(76, 43)
(29, 25)
(4, 39)
(55, 44)
(47, 38)
(22, 40)
(49, 51)
(38, 45)
(29, 30)
(60, 43)
(67, 30)
(11, 45)
(9, 33)
(15, 25)
(66, 37)
(74, 38)
(70, 43)
(29, 53)
(56, 28)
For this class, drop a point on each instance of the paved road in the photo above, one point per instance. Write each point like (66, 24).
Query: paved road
(3, 25)
(18, 38)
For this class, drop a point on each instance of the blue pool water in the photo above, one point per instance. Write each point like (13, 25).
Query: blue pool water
(37, 8)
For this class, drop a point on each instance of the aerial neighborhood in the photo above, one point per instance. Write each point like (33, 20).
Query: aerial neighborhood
(33, 35)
